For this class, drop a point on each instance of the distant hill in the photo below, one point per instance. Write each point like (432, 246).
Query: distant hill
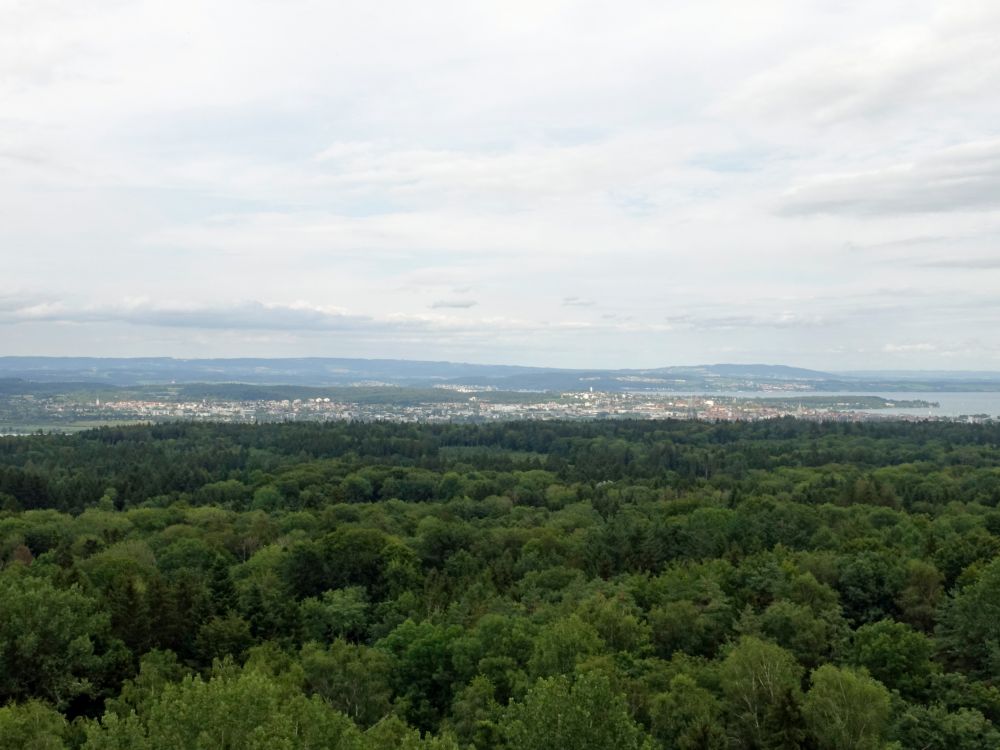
(778, 372)
(299, 371)
(332, 371)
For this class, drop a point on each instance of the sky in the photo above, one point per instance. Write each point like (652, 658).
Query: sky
(575, 184)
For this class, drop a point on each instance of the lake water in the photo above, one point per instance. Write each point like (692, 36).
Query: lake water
(952, 404)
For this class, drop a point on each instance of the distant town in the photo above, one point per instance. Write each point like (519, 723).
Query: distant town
(28, 412)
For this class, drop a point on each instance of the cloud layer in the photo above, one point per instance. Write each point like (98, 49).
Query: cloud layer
(634, 184)
(960, 178)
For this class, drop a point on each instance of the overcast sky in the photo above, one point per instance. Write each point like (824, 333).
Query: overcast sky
(547, 183)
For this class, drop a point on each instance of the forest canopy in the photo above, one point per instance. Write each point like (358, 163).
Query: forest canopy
(651, 584)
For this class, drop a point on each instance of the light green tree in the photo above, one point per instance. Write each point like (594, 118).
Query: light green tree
(354, 679)
(233, 710)
(846, 709)
(584, 715)
(560, 645)
(32, 725)
(762, 681)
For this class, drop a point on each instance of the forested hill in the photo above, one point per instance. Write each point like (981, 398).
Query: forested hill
(312, 372)
(683, 585)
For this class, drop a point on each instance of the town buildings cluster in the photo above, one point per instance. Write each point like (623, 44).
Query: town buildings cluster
(466, 405)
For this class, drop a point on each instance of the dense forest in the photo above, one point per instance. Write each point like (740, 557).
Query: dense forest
(683, 585)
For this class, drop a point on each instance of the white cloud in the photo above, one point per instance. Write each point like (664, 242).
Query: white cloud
(906, 348)
(604, 177)
(252, 315)
(454, 304)
(927, 61)
(965, 177)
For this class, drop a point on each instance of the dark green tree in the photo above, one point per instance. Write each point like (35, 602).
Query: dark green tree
(55, 644)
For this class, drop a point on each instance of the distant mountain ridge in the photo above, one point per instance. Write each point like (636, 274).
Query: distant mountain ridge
(321, 370)
(767, 371)
(341, 371)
